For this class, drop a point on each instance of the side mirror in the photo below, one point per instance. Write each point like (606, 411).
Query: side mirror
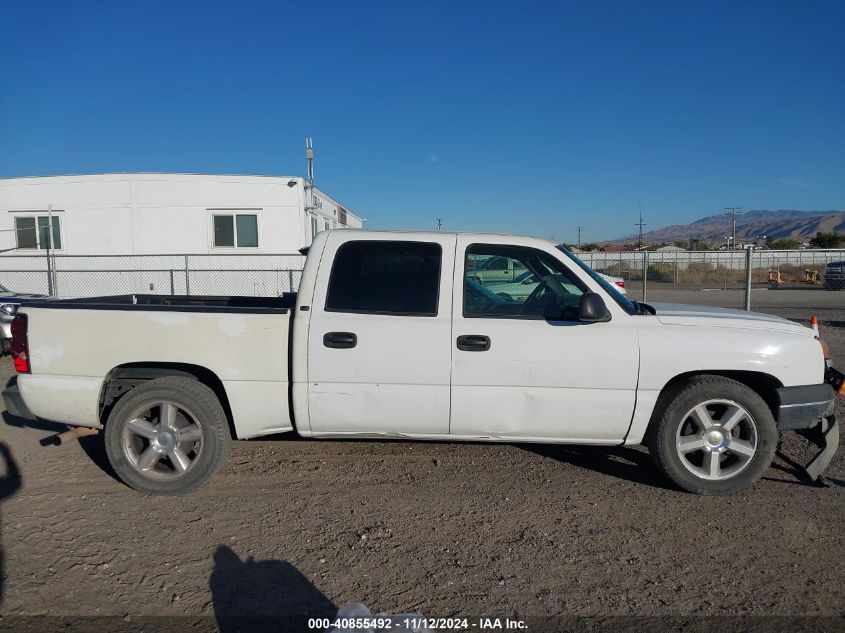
(592, 309)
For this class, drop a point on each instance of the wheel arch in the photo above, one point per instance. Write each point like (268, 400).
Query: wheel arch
(765, 385)
(122, 379)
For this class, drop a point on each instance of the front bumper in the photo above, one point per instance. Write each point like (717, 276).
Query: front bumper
(803, 407)
(809, 410)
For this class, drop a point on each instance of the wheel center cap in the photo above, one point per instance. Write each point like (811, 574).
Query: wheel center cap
(165, 439)
(715, 438)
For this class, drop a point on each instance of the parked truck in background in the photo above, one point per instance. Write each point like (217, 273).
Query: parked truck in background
(395, 335)
(834, 276)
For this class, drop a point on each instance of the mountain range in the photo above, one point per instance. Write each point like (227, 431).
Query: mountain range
(750, 225)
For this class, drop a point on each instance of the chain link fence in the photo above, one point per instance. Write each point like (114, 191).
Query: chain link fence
(91, 275)
(650, 271)
(646, 273)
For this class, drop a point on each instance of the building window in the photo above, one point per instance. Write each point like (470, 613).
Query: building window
(313, 228)
(236, 229)
(33, 232)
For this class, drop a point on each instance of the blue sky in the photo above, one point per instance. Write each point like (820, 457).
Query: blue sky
(527, 117)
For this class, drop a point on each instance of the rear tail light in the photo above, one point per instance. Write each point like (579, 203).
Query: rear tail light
(620, 283)
(19, 348)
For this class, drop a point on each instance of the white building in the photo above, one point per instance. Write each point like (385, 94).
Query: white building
(159, 214)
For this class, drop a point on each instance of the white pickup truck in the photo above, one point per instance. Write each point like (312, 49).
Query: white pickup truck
(392, 335)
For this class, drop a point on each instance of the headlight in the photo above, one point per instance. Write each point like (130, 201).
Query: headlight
(9, 308)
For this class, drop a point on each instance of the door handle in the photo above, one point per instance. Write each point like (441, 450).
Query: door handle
(474, 343)
(340, 340)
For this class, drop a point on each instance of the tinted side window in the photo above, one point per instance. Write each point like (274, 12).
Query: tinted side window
(546, 289)
(399, 278)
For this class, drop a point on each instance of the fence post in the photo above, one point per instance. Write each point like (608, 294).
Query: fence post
(748, 251)
(675, 278)
(187, 278)
(172, 285)
(645, 274)
(49, 275)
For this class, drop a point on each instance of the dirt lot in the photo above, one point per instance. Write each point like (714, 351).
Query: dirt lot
(298, 526)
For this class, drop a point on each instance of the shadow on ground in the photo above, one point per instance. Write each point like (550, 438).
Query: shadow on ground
(252, 596)
(10, 483)
(621, 462)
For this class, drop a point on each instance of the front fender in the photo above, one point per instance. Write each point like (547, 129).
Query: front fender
(669, 351)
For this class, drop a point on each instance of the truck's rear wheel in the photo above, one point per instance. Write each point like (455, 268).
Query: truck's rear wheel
(167, 436)
(714, 436)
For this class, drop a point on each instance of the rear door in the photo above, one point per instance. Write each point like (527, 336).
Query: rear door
(379, 353)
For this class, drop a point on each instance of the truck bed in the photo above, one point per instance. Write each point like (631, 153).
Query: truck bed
(76, 345)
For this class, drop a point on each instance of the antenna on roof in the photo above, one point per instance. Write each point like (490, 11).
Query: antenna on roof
(309, 156)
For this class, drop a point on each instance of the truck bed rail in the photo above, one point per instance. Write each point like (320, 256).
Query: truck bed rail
(175, 303)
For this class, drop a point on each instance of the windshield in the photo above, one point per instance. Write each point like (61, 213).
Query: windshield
(628, 305)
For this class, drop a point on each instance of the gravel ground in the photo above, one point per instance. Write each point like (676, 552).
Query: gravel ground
(438, 529)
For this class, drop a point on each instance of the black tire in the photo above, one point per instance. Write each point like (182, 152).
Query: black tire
(670, 416)
(212, 438)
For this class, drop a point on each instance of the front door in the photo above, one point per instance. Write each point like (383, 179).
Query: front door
(524, 367)
(379, 353)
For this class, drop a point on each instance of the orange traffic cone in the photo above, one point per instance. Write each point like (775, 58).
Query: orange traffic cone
(814, 323)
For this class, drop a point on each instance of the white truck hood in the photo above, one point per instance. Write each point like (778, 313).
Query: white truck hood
(680, 314)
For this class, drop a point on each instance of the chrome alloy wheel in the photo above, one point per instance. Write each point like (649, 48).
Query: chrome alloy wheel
(162, 440)
(716, 439)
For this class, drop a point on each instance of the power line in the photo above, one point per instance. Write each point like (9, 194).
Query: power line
(640, 224)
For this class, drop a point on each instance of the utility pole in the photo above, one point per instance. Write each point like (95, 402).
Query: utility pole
(439, 224)
(733, 212)
(640, 224)
(579, 229)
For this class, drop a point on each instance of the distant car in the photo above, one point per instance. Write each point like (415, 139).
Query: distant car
(9, 303)
(523, 285)
(616, 281)
(834, 276)
(496, 270)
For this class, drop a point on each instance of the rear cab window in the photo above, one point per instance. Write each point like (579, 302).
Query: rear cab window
(385, 277)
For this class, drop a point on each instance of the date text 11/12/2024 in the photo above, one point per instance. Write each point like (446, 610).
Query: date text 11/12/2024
(414, 623)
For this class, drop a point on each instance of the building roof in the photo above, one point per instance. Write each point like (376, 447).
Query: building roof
(161, 175)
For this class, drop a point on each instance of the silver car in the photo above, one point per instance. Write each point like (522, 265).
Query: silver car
(9, 303)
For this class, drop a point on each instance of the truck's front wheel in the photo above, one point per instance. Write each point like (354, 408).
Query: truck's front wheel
(714, 436)
(167, 436)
